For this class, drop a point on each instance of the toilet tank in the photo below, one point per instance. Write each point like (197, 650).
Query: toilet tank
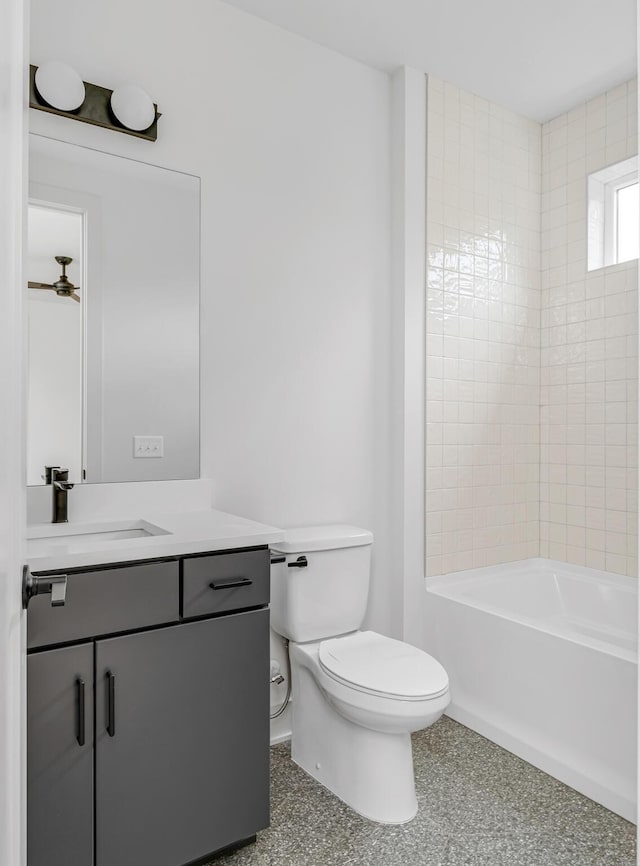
(328, 596)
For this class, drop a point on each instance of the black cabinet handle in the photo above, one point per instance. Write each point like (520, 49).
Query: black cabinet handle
(231, 584)
(301, 562)
(111, 704)
(80, 720)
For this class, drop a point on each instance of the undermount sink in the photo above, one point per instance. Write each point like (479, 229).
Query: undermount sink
(70, 536)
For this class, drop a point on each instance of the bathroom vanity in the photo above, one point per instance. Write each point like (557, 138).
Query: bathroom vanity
(148, 692)
(147, 637)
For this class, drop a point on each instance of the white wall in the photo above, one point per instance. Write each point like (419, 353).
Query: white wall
(291, 141)
(407, 367)
(123, 501)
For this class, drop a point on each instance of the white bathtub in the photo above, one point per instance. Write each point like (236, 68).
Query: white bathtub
(542, 659)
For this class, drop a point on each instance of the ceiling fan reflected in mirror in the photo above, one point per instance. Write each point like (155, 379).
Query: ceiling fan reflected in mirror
(63, 285)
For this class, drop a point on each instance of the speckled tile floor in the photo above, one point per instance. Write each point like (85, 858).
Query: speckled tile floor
(478, 806)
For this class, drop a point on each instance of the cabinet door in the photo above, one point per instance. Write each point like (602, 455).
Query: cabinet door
(182, 740)
(60, 757)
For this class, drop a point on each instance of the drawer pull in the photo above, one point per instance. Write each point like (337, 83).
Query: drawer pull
(231, 584)
(58, 590)
(80, 722)
(111, 704)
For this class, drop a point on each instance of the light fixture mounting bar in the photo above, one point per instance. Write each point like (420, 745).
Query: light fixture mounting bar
(95, 109)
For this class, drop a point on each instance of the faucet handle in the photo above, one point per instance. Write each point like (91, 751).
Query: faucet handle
(48, 473)
(58, 474)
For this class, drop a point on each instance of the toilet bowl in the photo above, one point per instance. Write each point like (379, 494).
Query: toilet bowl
(356, 740)
(357, 695)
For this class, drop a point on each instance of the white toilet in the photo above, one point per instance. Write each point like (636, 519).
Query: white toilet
(357, 695)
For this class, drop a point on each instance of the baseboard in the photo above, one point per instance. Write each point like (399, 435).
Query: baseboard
(280, 738)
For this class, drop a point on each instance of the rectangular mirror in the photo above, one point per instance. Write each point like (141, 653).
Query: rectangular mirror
(113, 312)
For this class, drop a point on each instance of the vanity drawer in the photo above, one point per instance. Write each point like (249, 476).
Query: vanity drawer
(225, 581)
(105, 601)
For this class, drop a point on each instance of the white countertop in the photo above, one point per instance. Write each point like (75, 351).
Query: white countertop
(75, 545)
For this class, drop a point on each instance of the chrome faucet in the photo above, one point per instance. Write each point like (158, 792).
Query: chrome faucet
(59, 480)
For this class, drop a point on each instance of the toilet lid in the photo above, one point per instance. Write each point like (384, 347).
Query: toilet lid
(382, 665)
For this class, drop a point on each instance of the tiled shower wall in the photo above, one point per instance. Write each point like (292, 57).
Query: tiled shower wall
(483, 332)
(531, 441)
(589, 386)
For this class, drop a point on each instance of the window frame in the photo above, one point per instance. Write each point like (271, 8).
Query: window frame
(623, 183)
(602, 216)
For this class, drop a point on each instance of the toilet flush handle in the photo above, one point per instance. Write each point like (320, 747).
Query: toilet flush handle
(301, 562)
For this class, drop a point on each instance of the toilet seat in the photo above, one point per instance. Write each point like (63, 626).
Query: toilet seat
(378, 665)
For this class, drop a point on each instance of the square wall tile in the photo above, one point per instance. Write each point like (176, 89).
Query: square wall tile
(531, 360)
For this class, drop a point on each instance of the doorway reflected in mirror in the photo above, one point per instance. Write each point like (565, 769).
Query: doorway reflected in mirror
(55, 333)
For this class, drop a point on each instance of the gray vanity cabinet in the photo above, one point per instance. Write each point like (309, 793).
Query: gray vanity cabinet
(60, 756)
(182, 748)
(148, 732)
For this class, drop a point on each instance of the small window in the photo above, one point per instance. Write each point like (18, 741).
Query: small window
(627, 224)
(614, 215)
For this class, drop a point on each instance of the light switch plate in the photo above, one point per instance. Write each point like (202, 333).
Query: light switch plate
(148, 446)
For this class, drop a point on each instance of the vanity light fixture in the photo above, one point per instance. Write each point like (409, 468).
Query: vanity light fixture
(60, 86)
(133, 107)
(56, 88)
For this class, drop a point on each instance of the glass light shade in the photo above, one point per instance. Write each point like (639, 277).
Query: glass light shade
(60, 86)
(133, 107)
